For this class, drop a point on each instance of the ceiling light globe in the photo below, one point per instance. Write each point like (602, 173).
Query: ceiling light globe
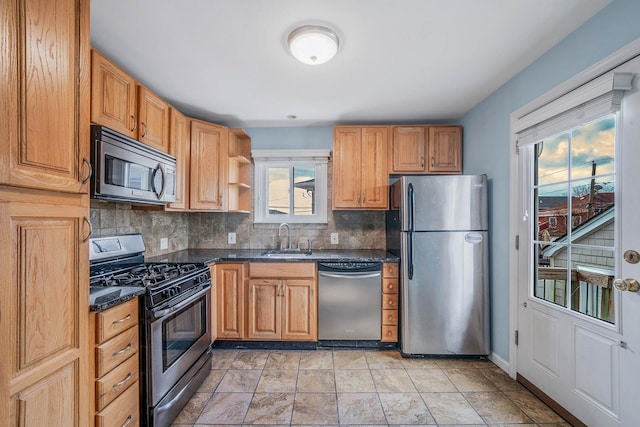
(313, 45)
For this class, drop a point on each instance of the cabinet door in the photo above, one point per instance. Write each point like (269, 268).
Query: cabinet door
(230, 300)
(375, 174)
(299, 310)
(44, 301)
(209, 162)
(44, 88)
(264, 306)
(408, 148)
(113, 96)
(153, 111)
(180, 148)
(347, 167)
(445, 149)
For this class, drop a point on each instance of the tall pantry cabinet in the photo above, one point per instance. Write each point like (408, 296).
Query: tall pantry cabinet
(44, 210)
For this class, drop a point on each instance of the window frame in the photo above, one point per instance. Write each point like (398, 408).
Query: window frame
(265, 159)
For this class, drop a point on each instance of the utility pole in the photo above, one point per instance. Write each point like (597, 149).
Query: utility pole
(592, 190)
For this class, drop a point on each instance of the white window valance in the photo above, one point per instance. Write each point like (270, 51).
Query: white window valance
(590, 101)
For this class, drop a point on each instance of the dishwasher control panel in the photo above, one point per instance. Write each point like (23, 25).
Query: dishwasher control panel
(349, 266)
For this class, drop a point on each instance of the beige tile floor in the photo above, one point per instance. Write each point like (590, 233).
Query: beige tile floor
(359, 387)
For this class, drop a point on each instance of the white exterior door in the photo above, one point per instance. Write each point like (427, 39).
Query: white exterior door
(579, 336)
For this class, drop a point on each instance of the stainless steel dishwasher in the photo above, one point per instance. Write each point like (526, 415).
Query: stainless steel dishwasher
(349, 301)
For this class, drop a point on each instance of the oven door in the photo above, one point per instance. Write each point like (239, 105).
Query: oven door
(179, 336)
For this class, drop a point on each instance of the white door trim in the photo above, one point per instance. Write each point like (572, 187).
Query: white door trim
(605, 65)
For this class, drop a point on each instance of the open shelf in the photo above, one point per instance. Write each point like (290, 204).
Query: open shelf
(240, 169)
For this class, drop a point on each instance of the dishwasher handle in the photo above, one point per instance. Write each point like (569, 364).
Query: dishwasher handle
(350, 275)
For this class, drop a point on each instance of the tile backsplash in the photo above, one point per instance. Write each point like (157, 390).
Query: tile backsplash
(208, 230)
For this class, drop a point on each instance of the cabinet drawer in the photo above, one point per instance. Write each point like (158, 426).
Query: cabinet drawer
(115, 351)
(281, 270)
(390, 301)
(125, 410)
(390, 286)
(390, 269)
(389, 333)
(389, 317)
(114, 383)
(111, 322)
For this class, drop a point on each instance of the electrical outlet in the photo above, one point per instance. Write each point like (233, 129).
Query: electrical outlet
(334, 238)
(164, 243)
(231, 239)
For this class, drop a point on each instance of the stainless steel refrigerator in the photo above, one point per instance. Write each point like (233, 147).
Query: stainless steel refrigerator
(438, 227)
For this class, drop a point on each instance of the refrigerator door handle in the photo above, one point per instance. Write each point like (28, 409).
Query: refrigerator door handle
(412, 211)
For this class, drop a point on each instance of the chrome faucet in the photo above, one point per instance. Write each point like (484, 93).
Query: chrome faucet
(284, 224)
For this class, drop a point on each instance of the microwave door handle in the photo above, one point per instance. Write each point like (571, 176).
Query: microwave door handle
(164, 181)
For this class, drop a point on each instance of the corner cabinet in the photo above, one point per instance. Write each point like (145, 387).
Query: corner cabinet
(426, 150)
(208, 167)
(44, 209)
(360, 174)
(282, 302)
(180, 148)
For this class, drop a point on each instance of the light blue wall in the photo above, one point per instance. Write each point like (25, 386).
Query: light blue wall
(486, 132)
(275, 138)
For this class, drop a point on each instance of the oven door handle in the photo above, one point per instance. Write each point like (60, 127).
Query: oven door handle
(159, 314)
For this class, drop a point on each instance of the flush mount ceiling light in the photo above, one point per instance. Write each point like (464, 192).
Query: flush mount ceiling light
(313, 45)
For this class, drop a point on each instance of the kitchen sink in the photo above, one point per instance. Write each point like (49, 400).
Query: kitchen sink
(285, 254)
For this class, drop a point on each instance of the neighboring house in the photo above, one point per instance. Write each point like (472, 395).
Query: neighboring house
(553, 215)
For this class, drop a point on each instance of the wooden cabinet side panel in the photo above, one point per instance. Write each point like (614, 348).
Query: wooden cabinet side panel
(299, 310)
(153, 127)
(375, 173)
(408, 149)
(180, 148)
(230, 304)
(52, 401)
(44, 79)
(209, 163)
(347, 167)
(113, 96)
(263, 306)
(445, 149)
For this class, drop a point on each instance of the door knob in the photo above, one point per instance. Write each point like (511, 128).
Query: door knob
(630, 285)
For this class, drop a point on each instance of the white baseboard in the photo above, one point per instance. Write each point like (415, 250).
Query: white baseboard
(499, 362)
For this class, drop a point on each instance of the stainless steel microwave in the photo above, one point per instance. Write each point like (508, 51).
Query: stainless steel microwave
(126, 170)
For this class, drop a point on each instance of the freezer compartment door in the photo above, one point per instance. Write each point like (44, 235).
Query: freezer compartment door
(442, 203)
(445, 305)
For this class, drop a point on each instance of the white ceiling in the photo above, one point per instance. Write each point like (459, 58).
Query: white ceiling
(399, 61)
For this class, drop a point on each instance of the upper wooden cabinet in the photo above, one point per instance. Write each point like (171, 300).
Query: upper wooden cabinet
(408, 149)
(153, 125)
(44, 132)
(180, 148)
(360, 174)
(209, 163)
(120, 103)
(445, 149)
(426, 150)
(113, 96)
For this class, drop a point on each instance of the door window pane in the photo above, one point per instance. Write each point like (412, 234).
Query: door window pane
(574, 200)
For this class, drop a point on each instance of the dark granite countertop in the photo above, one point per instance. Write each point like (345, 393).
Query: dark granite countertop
(102, 298)
(206, 256)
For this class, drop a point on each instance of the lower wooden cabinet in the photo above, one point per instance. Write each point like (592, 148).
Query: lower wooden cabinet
(228, 280)
(390, 286)
(116, 366)
(281, 302)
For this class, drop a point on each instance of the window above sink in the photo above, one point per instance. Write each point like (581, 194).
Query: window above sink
(291, 186)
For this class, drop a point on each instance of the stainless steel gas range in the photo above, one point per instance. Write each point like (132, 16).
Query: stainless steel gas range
(175, 335)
